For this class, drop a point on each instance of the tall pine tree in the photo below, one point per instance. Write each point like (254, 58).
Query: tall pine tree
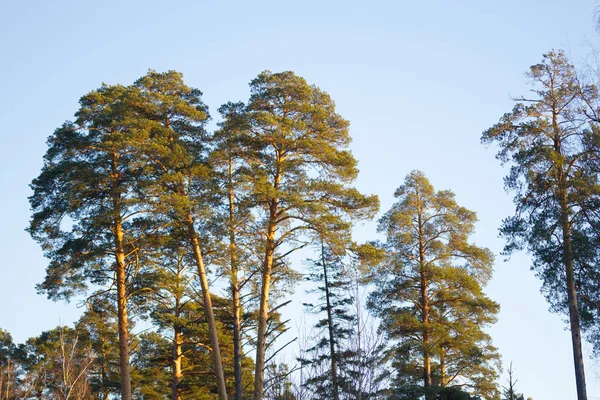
(429, 294)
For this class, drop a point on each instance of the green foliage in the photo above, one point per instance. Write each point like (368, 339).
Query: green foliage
(303, 163)
(429, 293)
(87, 163)
(550, 151)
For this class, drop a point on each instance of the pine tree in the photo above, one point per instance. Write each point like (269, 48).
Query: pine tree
(230, 156)
(84, 202)
(548, 144)
(9, 382)
(173, 117)
(429, 294)
(300, 179)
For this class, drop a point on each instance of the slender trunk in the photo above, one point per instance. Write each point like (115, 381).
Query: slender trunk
(122, 319)
(572, 299)
(569, 268)
(235, 292)
(177, 373)
(263, 312)
(424, 312)
(208, 309)
(122, 315)
(334, 380)
(263, 316)
(443, 367)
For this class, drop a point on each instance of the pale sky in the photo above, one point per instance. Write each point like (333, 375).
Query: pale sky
(419, 82)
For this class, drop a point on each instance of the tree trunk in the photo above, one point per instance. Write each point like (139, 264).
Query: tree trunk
(263, 313)
(568, 263)
(572, 299)
(122, 319)
(177, 373)
(208, 309)
(235, 292)
(263, 316)
(443, 367)
(334, 380)
(424, 312)
(122, 315)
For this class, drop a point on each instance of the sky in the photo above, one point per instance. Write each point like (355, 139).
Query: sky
(419, 81)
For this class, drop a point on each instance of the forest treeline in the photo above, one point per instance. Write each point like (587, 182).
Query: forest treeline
(181, 241)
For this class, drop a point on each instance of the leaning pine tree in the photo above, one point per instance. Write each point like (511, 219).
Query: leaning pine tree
(549, 146)
(172, 117)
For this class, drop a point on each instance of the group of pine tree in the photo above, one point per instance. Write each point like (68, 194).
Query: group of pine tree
(181, 241)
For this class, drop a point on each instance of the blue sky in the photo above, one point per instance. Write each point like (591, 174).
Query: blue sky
(419, 82)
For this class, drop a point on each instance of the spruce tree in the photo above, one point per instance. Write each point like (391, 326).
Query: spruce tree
(332, 329)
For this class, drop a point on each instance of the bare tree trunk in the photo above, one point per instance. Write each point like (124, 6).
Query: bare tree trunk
(208, 309)
(334, 379)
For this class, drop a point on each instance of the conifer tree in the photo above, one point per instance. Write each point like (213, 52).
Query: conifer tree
(9, 382)
(548, 144)
(328, 354)
(301, 179)
(98, 329)
(173, 117)
(230, 157)
(84, 201)
(429, 293)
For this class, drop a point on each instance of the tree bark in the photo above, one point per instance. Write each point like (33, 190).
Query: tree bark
(568, 262)
(572, 299)
(122, 318)
(177, 354)
(424, 310)
(235, 291)
(263, 313)
(263, 316)
(208, 309)
(177, 373)
(443, 367)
